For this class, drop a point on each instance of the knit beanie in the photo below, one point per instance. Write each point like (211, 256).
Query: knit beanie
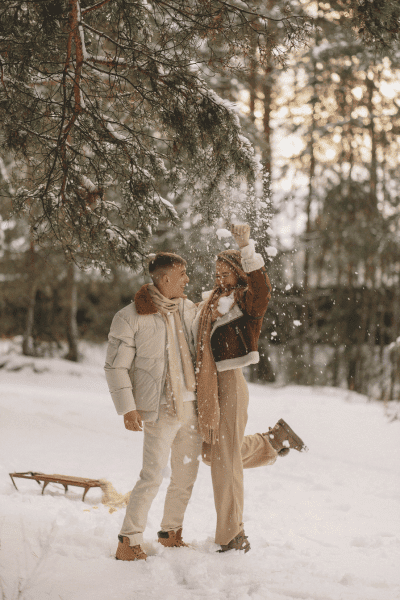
(234, 259)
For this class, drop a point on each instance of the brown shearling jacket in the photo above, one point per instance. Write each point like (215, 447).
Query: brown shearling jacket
(234, 336)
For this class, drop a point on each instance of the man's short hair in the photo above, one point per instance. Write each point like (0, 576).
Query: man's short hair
(163, 261)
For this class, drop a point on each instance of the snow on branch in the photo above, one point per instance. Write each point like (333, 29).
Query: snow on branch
(101, 116)
(3, 171)
(95, 6)
(106, 61)
(169, 206)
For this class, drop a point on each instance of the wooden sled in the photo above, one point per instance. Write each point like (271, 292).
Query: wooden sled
(65, 480)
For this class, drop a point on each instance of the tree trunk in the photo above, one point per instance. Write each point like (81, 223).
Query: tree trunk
(267, 91)
(305, 337)
(253, 77)
(357, 383)
(395, 351)
(72, 308)
(263, 370)
(27, 342)
(310, 186)
(28, 348)
(374, 161)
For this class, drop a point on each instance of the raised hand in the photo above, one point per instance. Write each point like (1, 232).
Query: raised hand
(241, 233)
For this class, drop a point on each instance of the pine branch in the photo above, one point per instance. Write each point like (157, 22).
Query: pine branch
(95, 6)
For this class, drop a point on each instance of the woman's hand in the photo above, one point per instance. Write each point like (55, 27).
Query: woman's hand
(241, 233)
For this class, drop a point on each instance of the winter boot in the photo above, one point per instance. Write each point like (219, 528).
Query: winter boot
(171, 539)
(127, 552)
(282, 438)
(240, 542)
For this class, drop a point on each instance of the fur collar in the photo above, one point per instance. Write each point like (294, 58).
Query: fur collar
(143, 302)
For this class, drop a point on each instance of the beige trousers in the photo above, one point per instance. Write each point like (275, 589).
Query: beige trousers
(166, 436)
(232, 453)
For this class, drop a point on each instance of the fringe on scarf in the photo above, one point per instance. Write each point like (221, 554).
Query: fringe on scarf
(111, 497)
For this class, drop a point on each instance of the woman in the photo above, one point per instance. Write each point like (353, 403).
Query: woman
(228, 326)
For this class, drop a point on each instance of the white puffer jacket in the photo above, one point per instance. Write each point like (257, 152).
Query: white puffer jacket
(136, 360)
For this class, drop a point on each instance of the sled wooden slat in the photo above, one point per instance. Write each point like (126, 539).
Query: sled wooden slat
(65, 480)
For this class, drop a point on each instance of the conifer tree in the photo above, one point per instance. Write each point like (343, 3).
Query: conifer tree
(110, 96)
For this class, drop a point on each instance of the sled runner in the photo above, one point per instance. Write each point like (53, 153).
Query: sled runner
(65, 480)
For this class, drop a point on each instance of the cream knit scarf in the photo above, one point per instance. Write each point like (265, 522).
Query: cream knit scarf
(174, 386)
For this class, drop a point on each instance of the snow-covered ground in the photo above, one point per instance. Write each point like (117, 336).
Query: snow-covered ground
(322, 525)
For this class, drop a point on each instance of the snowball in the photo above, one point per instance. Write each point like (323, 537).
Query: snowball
(225, 303)
(271, 251)
(223, 233)
(297, 323)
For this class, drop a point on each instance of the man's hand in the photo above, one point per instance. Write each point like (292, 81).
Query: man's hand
(241, 233)
(133, 421)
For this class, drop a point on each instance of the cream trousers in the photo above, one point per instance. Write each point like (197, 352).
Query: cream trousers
(232, 453)
(166, 436)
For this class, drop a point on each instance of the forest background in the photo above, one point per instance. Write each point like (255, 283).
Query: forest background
(128, 128)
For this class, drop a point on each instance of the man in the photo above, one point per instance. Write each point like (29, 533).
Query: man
(151, 379)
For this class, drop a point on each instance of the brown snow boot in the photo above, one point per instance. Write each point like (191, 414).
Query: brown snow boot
(127, 552)
(240, 542)
(282, 438)
(171, 539)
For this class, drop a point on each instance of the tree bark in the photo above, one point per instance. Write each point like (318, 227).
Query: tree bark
(28, 348)
(27, 342)
(72, 308)
(253, 77)
(374, 161)
(305, 337)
